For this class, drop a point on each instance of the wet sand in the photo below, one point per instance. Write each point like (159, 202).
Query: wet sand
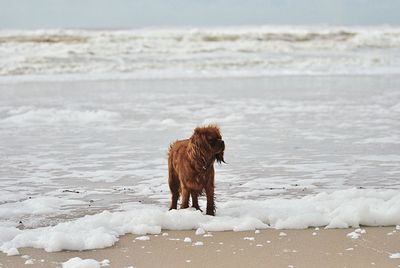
(270, 248)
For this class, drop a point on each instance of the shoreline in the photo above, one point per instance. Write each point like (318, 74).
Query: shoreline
(313, 247)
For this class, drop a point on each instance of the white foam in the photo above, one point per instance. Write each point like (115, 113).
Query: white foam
(340, 209)
(395, 256)
(84, 263)
(143, 238)
(200, 231)
(12, 252)
(353, 235)
(28, 262)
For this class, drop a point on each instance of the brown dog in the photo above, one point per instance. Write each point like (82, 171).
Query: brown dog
(191, 167)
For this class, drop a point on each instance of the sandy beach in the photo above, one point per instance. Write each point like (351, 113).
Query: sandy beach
(266, 248)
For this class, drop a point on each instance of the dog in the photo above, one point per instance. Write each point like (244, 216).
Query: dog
(191, 167)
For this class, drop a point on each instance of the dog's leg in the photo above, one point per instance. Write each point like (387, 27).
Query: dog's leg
(210, 201)
(173, 186)
(185, 197)
(174, 197)
(210, 194)
(195, 201)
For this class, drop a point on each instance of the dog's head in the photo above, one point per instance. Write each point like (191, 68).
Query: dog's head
(207, 141)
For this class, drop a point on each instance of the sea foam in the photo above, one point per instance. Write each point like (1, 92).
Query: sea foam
(339, 209)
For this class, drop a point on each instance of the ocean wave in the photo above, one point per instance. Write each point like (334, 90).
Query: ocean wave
(258, 50)
(270, 36)
(383, 37)
(26, 115)
(43, 38)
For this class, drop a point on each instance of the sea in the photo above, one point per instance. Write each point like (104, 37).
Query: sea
(309, 115)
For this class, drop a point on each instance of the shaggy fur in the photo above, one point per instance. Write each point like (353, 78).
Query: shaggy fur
(191, 167)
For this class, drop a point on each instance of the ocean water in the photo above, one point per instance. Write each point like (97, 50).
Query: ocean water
(203, 52)
(310, 118)
(103, 143)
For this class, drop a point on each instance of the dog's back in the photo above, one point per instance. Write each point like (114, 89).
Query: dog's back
(176, 150)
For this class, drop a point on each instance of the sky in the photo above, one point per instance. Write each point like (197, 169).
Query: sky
(34, 14)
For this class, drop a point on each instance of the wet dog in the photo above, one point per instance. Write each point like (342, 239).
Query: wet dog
(191, 167)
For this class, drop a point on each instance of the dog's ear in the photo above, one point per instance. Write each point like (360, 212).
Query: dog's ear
(194, 146)
(220, 157)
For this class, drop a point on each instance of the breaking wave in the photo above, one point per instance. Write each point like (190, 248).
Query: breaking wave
(242, 51)
(29, 115)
